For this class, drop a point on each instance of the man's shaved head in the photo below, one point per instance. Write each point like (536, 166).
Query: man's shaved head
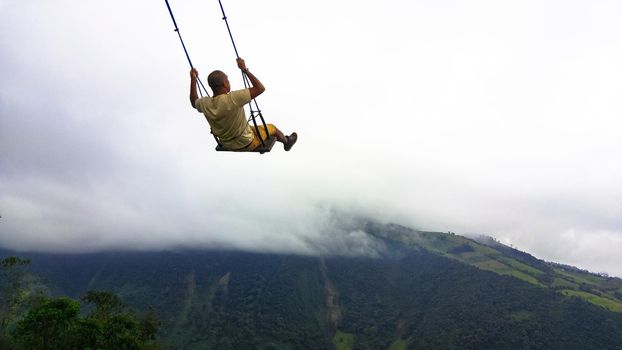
(216, 79)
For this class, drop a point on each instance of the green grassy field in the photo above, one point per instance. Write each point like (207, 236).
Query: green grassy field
(595, 299)
(343, 341)
(399, 345)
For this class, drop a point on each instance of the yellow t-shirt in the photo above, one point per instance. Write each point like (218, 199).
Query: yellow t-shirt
(225, 114)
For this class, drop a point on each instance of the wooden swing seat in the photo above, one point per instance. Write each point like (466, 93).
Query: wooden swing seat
(268, 143)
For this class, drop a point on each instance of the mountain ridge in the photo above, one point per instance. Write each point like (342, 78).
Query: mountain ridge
(486, 253)
(422, 290)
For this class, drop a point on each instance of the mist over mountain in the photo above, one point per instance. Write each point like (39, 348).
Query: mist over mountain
(399, 288)
(501, 117)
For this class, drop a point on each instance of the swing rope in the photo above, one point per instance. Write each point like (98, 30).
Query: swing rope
(199, 82)
(257, 111)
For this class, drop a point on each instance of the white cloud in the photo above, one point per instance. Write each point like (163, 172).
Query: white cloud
(498, 118)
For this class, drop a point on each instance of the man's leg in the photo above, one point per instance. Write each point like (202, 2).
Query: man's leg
(279, 135)
(287, 141)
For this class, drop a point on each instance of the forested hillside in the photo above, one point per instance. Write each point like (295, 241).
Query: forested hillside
(415, 295)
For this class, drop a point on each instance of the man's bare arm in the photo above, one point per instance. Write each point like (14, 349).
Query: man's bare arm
(257, 87)
(194, 74)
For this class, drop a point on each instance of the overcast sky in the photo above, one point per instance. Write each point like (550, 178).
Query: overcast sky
(492, 117)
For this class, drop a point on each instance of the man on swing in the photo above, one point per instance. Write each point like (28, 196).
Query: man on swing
(225, 113)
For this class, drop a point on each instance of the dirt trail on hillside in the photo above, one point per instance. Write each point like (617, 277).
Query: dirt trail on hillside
(333, 307)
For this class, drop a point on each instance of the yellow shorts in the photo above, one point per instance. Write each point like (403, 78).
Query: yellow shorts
(262, 131)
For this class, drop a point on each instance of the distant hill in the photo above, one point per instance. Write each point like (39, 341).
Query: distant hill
(486, 253)
(424, 290)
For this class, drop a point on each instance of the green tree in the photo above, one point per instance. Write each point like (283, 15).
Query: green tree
(119, 329)
(13, 294)
(53, 324)
(106, 304)
(57, 324)
(12, 272)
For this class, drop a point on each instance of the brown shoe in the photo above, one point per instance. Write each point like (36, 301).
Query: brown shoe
(291, 140)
